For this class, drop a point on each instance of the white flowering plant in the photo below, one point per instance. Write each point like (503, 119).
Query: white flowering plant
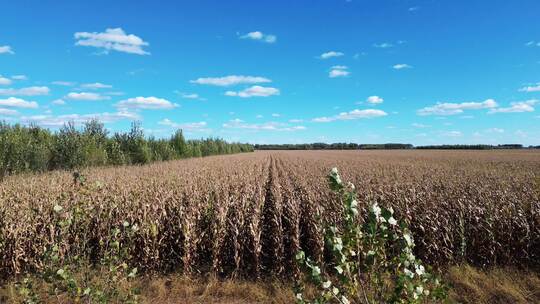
(65, 272)
(372, 261)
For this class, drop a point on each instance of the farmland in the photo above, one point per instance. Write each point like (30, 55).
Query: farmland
(246, 216)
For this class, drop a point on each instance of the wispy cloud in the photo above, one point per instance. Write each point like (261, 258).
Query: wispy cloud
(58, 102)
(495, 130)
(86, 96)
(190, 96)
(331, 54)
(383, 45)
(517, 107)
(64, 83)
(269, 126)
(194, 96)
(260, 36)
(419, 125)
(18, 103)
(4, 80)
(254, 91)
(29, 91)
(6, 49)
(190, 126)
(338, 71)
(231, 80)
(531, 88)
(413, 9)
(58, 121)
(354, 114)
(112, 39)
(401, 66)
(95, 86)
(447, 108)
(146, 103)
(19, 77)
(8, 112)
(452, 134)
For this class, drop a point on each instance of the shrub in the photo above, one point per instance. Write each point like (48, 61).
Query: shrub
(371, 262)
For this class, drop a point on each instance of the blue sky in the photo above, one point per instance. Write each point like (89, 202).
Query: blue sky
(421, 72)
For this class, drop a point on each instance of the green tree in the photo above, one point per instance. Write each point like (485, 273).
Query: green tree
(179, 144)
(68, 148)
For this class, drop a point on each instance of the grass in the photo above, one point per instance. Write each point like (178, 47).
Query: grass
(469, 285)
(498, 285)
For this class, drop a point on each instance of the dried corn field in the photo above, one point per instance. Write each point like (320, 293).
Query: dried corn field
(247, 215)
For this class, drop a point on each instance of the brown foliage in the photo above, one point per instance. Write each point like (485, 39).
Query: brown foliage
(247, 215)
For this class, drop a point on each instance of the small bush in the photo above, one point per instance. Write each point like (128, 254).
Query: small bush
(371, 262)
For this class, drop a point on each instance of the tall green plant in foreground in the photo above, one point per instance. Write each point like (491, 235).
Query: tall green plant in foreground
(372, 261)
(68, 274)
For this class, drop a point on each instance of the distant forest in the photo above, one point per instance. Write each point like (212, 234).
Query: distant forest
(36, 149)
(389, 146)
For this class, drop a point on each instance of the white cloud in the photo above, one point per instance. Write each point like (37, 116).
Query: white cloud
(8, 112)
(194, 96)
(191, 126)
(401, 66)
(5, 81)
(338, 71)
(149, 103)
(254, 91)
(296, 120)
(331, 54)
(86, 96)
(276, 115)
(19, 77)
(231, 80)
(520, 133)
(414, 8)
(190, 96)
(452, 134)
(419, 125)
(58, 102)
(112, 39)
(6, 49)
(354, 114)
(532, 88)
(375, 99)
(517, 107)
(58, 121)
(18, 103)
(259, 116)
(64, 83)
(269, 126)
(95, 86)
(495, 130)
(383, 45)
(357, 55)
(29, 91)
(260, 36)
(456, 108)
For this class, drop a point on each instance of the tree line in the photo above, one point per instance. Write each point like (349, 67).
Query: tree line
(388, 146)
(334, 146)
(36, 149)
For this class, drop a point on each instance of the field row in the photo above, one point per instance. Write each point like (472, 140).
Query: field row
(249, 214)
